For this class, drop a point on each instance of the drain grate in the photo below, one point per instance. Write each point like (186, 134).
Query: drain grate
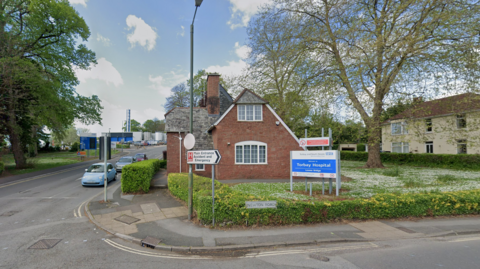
(406, 230)
(126, 219)
(150, 242)
(9, 213)
(45, 244)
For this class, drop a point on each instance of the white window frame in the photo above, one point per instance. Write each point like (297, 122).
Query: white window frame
(461, 117)
(427, 144)
(429, 125)
(197, 169)
(462, 142)
(402, 147)
(254, 112)
(251, 143)
(403, 128)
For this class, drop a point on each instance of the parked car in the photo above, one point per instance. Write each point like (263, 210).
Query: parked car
(137, 143)
(124, 161)
(141, 157)
(95, 174)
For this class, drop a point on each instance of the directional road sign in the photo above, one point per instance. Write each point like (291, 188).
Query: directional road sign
(314, 142)
(203, 157)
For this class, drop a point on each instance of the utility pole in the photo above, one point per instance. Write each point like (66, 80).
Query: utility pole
(105, 179)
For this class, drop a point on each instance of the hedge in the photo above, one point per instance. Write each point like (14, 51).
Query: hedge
(454, 161)
(137, 176)
(163, 163)
(119, 146)
(2, 167)
(230, 205)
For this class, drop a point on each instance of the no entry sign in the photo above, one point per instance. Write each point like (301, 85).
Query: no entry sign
(203, 157)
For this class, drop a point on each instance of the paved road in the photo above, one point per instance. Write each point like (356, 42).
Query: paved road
(50, 207)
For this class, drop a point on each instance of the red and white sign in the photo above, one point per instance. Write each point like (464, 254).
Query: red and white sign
(314, 142)
(190, 157)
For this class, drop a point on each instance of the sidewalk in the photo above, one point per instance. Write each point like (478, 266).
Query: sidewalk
(161, 216)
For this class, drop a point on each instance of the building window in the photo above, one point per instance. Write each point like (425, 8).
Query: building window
(250, 152)
(199, 167)
(428, 123)
(399, 128)
(462, 146)
(250, 112)
(461, 121)
(429, 147)
(400, 147)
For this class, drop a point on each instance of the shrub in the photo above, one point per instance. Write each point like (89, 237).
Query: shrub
(361, 147)
(119, 146)
(2, 167)
(230, 205)
(460, 161)
(163, 163)
(75, 147)
(137, 176)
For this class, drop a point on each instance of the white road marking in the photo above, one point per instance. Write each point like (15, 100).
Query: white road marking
(286, 252)
(74, 213)
(464, 239)
(79, 211)
(37, 177)
(153, 254)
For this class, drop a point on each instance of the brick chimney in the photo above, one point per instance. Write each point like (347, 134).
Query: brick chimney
(213, 94)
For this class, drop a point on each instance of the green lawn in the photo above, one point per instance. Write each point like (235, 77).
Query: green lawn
(44, 161)
(368, 182)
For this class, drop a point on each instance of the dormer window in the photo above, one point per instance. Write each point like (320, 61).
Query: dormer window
(249, 112)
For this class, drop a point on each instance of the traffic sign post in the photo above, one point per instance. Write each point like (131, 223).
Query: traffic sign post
(189, 143)
(204, 157)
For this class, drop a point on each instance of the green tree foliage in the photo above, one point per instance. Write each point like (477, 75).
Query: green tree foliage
(38, 54)
(67, 138)
(373, 51)
(154, 125)
(135, 126)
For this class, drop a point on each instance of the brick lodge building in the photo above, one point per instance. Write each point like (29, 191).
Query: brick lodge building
(253, 140)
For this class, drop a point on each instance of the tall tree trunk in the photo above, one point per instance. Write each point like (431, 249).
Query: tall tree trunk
(17, 148)
(374, 137)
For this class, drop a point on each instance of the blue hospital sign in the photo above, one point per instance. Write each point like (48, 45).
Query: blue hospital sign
(321, 164)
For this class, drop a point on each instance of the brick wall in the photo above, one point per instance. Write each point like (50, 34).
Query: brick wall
(173, 160)
(213, 95)
(279, 144)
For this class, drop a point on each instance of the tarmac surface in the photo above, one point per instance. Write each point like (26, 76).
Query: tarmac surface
(159, 215)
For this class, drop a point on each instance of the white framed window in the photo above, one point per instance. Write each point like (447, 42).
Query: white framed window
(249, 113)
(462, 146)
(429, 126)
(429, 147)
(399, 128)
(250, 152)
(199, 167)
(461, 121)
(400, 147)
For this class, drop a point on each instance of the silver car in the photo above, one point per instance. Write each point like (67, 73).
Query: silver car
(124, 161)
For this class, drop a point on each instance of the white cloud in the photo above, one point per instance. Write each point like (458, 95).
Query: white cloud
(143, 34)
(243, 10)
(78, 2)
(104, 40)
(242, 51)
(181, 33)
(104, 70)
(232, 69)
(163, 84)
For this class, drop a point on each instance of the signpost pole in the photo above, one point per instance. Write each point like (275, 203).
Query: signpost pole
(330, 136)
(291, 178)
(213, 194)
(105, 169)
(305, 177)
(323, 148)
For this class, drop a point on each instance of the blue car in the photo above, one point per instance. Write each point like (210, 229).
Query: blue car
(95, 174)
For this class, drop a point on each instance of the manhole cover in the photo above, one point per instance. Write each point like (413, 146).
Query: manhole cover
(45, 244)
(9, 213)
(406, 230)
(150, 242)
(319, 257)
(126, 219)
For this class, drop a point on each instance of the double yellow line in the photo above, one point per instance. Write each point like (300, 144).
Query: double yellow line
(37, 177)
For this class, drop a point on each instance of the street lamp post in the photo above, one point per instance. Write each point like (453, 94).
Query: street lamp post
(190, 175)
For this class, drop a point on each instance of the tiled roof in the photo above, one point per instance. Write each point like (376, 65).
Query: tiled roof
(248, 96)
(445, 106)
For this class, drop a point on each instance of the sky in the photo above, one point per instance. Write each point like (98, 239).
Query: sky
(143, 50)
